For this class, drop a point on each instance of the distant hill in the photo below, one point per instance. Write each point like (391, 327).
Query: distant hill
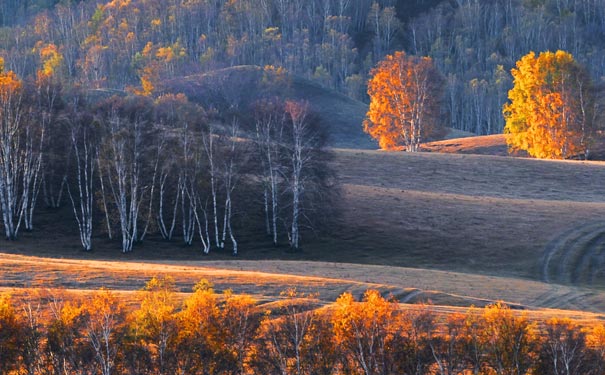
(242, 85)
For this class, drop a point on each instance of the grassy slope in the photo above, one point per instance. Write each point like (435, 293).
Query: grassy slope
(408, 285)
(484, 221)
(341, 115)
(463, 212)
(479, 145)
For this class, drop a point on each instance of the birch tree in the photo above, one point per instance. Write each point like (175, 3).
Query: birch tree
(550, 110)
(231, 164)
(300, 156)
(48, 96)
(209, 142)
(84, 135)
(405, 101)
(12, 118)
(125, 161)
(269, 122)
(103, 325)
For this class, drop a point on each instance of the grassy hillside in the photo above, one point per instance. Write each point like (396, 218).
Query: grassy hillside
(267, 279)
(480, 145)
(479, 214)
(340, 115)
(465, 213)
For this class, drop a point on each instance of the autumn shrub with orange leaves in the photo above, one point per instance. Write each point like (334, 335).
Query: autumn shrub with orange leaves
(551, 111)
(211, 333)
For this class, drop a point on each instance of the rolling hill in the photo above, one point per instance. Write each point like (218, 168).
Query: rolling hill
(455, 229)
(339, 114)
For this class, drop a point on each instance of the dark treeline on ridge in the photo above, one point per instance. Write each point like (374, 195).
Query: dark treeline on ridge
(134, 43)
(207, 333)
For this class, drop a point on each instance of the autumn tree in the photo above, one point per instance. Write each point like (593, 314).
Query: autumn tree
(563, 348)
(405, 101)
(156, 321)
(550, 110)
(284, 338)
(11, 329)
(66, 348)
(238, 321)
(365, 331)
(510, 340)
(103, 329)
(197, 334)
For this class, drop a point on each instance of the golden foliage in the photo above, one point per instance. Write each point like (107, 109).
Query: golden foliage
(405, 101)
(10, 85)
(549, 113)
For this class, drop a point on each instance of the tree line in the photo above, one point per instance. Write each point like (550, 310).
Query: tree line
(159, 332)
(474, 44)
(131, 165)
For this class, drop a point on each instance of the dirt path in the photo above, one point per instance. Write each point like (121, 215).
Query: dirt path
(576, 256)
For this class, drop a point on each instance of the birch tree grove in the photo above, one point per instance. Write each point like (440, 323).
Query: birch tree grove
(165, 167)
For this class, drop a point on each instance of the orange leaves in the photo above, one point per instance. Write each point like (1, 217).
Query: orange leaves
(10, 85)
(50, 58)
(550, 104)
(156, 62)
(405, 106)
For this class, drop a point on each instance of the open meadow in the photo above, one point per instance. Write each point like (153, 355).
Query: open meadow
(452, 229)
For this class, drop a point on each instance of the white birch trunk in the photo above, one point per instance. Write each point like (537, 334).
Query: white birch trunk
(165, 230)
(208, 140)
(229, 185)
(86, 162)
(268, 139)
(104, 199)
(11, 167)
(298, 114)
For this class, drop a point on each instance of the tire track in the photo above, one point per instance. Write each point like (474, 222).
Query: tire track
(568, 255)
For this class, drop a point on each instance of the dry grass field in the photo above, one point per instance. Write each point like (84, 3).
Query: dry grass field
(453, 229)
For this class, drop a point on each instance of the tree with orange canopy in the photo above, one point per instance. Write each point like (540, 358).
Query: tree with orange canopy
(405, 101)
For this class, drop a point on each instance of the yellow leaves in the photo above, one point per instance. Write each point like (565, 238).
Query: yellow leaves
(172, 52)
(156, 22)
(6, 308)
(51, 60)
(596, 337)
(156, 61)
(148, 50)
(549, 103)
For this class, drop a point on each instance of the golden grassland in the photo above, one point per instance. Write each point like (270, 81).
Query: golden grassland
(446, 292)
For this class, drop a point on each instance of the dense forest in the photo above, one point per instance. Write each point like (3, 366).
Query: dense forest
(208, 333)
(138, 43)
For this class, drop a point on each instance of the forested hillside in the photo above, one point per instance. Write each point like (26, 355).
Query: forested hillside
(134, 43)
